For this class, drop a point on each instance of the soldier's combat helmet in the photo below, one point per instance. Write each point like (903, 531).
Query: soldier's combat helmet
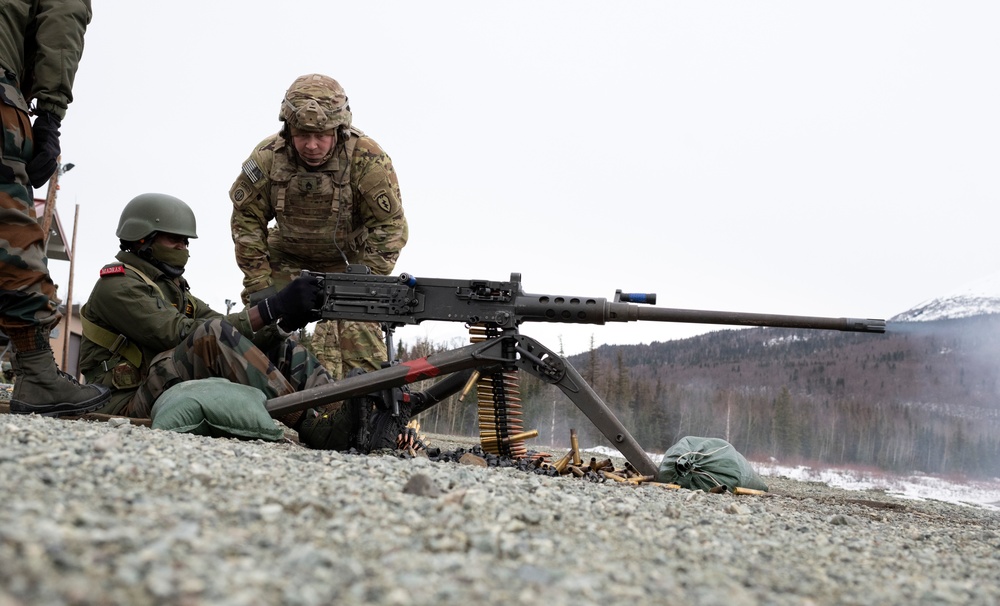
(315, 103)
(146, 214)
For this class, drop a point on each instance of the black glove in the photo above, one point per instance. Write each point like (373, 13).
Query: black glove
(45, 133)
(296, 300)
(293, 323)
(256, 297)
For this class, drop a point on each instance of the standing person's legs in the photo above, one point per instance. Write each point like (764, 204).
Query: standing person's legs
(28, 302)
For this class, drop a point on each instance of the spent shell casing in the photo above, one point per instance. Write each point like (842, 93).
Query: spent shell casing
(666, 485)
(575, 446)
(561, 464)
(469, 385)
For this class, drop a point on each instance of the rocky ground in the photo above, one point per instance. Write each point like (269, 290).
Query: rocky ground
(115, 513)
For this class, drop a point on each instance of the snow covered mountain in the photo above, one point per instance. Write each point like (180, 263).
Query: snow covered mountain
(978, 298)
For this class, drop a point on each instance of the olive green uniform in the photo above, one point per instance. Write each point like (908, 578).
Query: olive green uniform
(41, 43)
(145, 331)
(346, 211)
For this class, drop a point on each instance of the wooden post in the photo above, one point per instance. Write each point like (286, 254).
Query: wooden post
(50, 204)
(71, 253)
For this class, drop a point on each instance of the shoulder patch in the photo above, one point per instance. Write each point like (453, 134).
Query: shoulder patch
(252, 171)
(112, 270)
(384, 201)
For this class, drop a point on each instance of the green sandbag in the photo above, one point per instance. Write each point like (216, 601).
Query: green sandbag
(215, 407)
(706, 463)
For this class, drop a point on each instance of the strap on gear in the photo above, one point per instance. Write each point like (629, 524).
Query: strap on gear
(118, 344)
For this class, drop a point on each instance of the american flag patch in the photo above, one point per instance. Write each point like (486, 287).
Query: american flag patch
(252, 171)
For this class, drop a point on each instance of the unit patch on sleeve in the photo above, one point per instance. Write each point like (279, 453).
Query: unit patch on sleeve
(112, 270)
(383, 201)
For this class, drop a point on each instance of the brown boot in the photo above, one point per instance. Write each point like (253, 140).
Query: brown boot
(43, 389)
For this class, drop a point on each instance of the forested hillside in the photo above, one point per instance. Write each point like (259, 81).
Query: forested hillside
(923, 397)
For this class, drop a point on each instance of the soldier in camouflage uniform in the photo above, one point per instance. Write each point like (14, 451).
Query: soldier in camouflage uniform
(41, 42)
(335, 199)
(144, 331)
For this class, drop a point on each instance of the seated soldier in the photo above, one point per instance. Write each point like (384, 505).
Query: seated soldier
(144, 331)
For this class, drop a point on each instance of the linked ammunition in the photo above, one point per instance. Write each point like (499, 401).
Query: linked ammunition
(520, 437)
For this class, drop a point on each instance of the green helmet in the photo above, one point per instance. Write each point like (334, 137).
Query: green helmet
(315, 103)
(148, 213)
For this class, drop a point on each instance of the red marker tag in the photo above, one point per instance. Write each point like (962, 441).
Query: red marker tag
(420, 369)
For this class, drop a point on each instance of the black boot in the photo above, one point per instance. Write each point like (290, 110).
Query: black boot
(43, 389)
(380, 430)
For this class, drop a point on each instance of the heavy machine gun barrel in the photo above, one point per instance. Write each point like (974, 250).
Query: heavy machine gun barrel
(401, 300)
(738, 318)
(494, 311)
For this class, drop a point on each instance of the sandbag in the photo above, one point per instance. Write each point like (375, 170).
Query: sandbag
(215, 407)
(706, 463)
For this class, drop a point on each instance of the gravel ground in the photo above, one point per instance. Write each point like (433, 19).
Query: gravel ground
(108, 513)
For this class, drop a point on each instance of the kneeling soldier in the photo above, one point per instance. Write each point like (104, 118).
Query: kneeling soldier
(143, 330)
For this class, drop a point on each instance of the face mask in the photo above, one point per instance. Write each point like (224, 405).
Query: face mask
(170, 256)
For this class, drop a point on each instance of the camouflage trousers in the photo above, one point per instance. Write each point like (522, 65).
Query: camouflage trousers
(217, 349)
(28, 301)
(340, 345)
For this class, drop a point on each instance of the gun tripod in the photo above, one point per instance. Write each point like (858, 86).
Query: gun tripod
(500, 351)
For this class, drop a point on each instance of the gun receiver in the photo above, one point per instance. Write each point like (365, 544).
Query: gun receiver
(494, 311)
(402, 300)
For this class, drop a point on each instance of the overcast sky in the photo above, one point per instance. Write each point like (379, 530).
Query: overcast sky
(829, 159)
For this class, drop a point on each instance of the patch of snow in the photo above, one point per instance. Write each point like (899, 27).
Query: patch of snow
(977, 298)
(916, 486)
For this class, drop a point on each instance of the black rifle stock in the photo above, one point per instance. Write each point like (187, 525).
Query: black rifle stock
(502, 307)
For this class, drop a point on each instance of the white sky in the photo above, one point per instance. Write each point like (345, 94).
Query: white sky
(829, 159)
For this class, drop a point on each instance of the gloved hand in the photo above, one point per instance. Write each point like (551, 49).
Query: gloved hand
(258, 296)
(291, 324)
(45, 133)
(296, 300)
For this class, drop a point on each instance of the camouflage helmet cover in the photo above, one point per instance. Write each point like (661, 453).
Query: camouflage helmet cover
(148, 213)
(315, 103)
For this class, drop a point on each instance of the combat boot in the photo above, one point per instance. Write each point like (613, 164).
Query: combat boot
(381, 430)
(43, 389)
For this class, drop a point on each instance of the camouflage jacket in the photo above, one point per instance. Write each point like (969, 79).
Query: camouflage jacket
(155, 317)
(349, 205)
(41, 42)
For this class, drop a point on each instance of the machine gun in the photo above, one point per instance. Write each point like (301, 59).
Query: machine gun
(494, 311)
